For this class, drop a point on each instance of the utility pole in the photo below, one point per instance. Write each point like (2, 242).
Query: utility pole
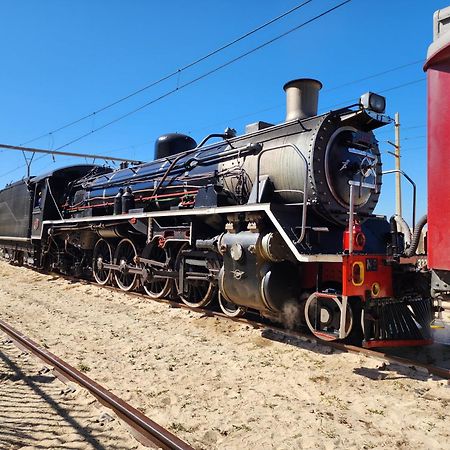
(398, 170)
(398, 175)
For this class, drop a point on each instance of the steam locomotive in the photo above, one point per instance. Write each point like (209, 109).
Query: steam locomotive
(278, 221)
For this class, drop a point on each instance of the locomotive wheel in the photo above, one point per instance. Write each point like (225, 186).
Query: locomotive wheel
(125, 254)
(323, 317)
(196, 293)
(230, 309)
(102, 254)
(156, 287)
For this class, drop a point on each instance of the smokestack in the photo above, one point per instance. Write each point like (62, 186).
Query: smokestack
(302, 98)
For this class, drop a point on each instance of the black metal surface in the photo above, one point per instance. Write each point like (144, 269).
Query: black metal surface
(398, 319)
(15, 210)
(173, 143)
(234, 165)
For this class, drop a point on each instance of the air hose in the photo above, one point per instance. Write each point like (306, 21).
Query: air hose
(416, 237)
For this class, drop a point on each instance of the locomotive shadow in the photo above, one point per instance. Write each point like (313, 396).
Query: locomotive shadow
(386, 370)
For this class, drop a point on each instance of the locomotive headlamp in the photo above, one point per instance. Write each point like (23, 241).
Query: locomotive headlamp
(374, 102)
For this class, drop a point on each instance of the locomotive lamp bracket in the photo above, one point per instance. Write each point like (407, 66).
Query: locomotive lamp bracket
(366, 119)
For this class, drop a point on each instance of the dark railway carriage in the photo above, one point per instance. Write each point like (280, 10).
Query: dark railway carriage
(16, 202)
(26, 204)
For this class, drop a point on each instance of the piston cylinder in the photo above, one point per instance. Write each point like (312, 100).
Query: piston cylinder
(249, 276)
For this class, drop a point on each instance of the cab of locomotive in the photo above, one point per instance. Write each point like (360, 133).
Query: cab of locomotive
(48, 193)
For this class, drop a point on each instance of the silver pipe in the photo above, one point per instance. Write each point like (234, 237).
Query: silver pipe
(401, 222)
(350, 221)
(386, 172)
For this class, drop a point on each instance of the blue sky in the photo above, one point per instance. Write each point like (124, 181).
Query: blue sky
(63, 59)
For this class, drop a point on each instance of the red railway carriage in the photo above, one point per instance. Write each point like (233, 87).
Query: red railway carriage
(437, 68)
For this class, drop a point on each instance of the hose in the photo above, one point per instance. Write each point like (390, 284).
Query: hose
(401, 222)
(416, 237)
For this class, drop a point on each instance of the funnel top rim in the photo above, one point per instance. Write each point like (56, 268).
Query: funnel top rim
(292, 82)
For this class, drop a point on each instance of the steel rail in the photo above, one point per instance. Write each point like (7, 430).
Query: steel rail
(410, 363)
(144, 429)
(406, 362)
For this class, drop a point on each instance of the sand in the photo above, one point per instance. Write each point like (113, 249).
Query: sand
(37, 411)
(219, 384)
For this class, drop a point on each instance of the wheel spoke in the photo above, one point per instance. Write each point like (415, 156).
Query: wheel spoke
(102, 253)
(197, 293)
(125, 253)
(156, 288)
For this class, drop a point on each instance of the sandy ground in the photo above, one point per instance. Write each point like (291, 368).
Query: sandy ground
(37, 411)
(219, 384)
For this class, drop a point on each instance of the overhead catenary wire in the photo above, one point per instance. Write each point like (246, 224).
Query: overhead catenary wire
(333, 88)
(400, 86)
(178, 88)
(382, 91)
(413, 127)
(55, 152)
(378, 74)
(206, 74)
(174, 73)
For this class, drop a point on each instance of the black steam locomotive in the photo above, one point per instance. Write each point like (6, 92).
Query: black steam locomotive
(278, 220)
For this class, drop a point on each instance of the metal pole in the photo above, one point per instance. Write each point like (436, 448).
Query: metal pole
(54, 152)
(398, 178)
(350, 221)
(414, 187)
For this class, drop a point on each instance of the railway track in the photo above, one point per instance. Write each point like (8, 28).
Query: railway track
(289, 334)
(145, 430)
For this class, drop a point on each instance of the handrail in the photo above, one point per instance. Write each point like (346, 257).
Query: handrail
(386, 172)
(305, 182)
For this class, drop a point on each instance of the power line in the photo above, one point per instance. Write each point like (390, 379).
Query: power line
(408, 83)
(374, 75)
(175, 72)
(206, 74)
(393, 88)
(278, 105)
(412, 127)
(414, 137)
(403, 85)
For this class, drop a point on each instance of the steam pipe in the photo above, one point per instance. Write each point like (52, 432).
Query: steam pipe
(416, 236)
(228, 134)
(394, 236)
(401, 222)
(414, 192)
